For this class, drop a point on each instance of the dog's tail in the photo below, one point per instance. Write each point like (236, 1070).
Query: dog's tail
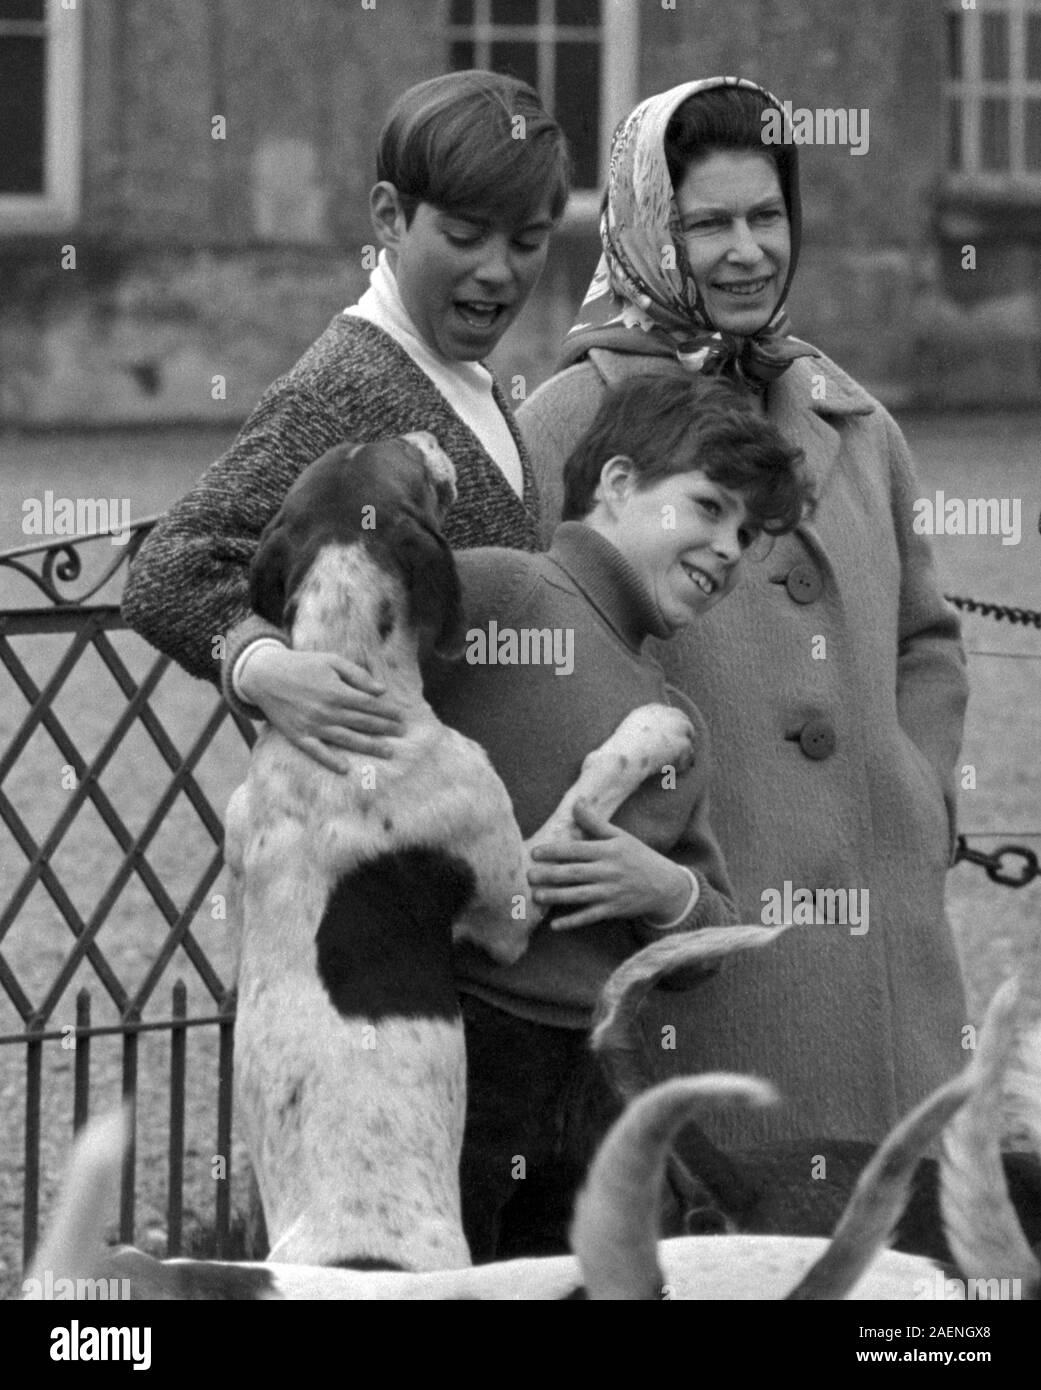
(615, 1230)
(881, 1194)
(74, 1244)
(714, 1189)
(74, 1250)
(616, 1037)
(981, 1224)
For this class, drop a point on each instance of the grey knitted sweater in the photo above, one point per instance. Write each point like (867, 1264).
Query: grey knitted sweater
(189, 584)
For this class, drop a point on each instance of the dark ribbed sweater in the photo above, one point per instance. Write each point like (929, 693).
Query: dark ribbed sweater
(189, 584)
(538, 726)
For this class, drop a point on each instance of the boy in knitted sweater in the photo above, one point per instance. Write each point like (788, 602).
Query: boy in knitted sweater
(672, 485)
(463, 211)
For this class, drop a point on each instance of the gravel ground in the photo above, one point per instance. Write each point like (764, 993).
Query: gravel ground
(966, 456)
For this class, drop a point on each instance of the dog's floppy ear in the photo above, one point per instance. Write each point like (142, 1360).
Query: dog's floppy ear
(267, 575)
(435, 597)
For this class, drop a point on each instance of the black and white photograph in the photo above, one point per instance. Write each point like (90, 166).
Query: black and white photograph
(520, 643)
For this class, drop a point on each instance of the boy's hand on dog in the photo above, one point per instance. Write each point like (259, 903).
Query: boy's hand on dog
(610, 875)
(325, 705)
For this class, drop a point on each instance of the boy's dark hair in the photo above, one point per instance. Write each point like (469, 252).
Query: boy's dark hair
(672, 424)
(727, 118)
(453, 141)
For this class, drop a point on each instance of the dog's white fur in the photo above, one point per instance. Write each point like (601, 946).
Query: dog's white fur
(322, 1095)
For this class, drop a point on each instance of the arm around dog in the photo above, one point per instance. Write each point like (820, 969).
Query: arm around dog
(324, 704)
(188, 590)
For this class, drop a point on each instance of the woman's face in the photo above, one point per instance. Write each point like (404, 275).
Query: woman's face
(736, 235)
(462, 279)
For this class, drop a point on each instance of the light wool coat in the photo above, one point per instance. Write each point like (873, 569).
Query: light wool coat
(835, 698)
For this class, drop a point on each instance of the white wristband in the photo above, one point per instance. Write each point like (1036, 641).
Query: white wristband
(240, 664)
(695, 894)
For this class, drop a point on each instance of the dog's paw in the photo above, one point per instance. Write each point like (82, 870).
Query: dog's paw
(648, 740)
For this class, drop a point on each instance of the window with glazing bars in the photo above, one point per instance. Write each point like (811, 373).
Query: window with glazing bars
(556, 46)
(993, 90)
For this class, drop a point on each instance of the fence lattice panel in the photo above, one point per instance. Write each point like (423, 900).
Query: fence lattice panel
(116, 972)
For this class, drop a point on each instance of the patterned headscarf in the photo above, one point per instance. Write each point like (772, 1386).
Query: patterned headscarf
(634, 302)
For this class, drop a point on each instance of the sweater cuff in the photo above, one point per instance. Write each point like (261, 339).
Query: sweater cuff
(238, 640)
(243, 661)
(692, 902)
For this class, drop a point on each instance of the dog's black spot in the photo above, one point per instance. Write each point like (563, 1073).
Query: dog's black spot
(364, 1262)
(290, 1103)
(385, 619)
(150, 1279)
(216, 1282)
(385, 939)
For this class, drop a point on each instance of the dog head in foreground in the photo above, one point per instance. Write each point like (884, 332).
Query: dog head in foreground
(375, 507)
(614, 1235)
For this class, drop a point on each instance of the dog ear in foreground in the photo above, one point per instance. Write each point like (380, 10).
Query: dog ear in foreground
(614, 1236)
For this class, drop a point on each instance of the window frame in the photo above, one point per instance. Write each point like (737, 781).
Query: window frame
(59, 202)
(619, 64)
(971, 89)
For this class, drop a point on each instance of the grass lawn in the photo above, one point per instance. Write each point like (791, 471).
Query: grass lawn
(968, 456)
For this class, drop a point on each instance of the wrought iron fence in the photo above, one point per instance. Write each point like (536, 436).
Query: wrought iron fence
(91, 777)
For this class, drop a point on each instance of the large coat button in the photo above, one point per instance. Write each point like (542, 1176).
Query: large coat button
(804, 584)
(817, 739)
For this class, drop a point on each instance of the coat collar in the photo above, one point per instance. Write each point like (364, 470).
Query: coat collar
(802, 385)
(809, 404)
(791, 393)
(610, 582)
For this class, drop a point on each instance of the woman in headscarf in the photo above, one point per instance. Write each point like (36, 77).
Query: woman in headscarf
(833, 684)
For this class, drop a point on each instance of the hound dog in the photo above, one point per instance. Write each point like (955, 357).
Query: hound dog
(614, 1237)
(350, 889)
(614, 1232)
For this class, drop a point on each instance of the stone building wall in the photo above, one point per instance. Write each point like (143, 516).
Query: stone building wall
(203, 266)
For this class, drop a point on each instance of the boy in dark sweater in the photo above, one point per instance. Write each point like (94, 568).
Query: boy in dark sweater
(673, 485)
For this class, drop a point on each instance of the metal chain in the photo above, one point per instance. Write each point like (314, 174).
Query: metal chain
(993, 863)
(1026, 616)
